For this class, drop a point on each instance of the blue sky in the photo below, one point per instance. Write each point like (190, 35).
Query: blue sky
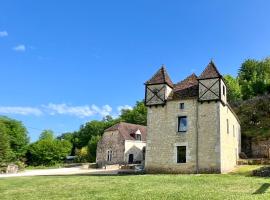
(64, 63)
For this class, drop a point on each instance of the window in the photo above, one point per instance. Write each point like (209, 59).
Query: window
(138, 137)
(223, 90)
(182, 124)
(182, 106)
(233, 131)
(109, 155)
(228, 128)
(181, 154)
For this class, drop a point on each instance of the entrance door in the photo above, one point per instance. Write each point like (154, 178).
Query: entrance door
(130, 158)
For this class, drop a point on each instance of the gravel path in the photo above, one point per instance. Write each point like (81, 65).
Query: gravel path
(60, 171)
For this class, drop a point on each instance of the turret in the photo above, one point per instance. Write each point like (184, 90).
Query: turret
(211, 85)
(158, 88)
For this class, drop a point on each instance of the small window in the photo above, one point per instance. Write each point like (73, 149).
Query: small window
(182, 106)
(228, 126)
(109, 155)
(224, 90)
(181, 154)
(138, 137)
(233, 131)
(182, 124)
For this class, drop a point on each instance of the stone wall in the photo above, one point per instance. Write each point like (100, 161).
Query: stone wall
(208, 137)
(260, 148)
(163, 137)
(230, 141)
(111, 140)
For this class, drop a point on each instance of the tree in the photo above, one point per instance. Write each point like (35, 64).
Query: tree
(48, 151)
(234, 90)
(17, 136)
(5, 151)
(138, 115)
(46, 135)
(92, 148)
(254, 77)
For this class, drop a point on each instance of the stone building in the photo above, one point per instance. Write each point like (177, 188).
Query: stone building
(191, 128)
(121, 144)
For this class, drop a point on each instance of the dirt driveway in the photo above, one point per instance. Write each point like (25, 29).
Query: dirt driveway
(61, 171)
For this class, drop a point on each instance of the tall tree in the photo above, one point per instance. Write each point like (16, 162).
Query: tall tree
(18, 136)
(5, 151)
(254, 77)
(138, 115)
(234, 90)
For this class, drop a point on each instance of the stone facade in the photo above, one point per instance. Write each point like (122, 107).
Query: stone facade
(119, 145)
(211, 138)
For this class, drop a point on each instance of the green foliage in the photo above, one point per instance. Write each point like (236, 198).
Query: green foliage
(254, 77)
(233, 87)
(92, 148)
(82, 155)
(254, 116)
(46, 135)
(5, 151)
(14, 136)
(48, 151)
(138, 115)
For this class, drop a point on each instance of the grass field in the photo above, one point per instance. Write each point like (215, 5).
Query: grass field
(231, 186)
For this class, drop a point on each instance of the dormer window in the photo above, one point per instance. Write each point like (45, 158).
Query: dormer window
(138, 137)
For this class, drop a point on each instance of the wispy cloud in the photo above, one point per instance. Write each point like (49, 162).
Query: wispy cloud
(20, 48)
(78, 111)
(20, 110)
(125, 107)
(82, 111)
(3, 33)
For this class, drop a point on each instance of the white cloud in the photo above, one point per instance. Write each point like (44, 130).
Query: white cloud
(125, 107)
(64, 109)
(20, 48)
(3, 33)
(20, 110)
(78, 111)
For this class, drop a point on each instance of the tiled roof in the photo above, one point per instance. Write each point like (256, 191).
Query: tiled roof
(186, 88)
(161, 76)
(127, 129)
(210, 71)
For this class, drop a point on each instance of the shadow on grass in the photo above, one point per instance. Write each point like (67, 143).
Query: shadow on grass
(262, 189)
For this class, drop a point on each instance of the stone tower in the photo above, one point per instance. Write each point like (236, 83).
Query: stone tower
(190, 126)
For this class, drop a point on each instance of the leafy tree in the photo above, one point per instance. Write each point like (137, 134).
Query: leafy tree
(46, 135)
(17, 136)
(138, 115)
(234, 90)
(92, 148)
(82, 155)
(48, 151)
(5, 151)
(254, 77)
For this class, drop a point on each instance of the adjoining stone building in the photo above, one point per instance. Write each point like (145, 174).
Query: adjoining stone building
(122, 143)
(191, 128)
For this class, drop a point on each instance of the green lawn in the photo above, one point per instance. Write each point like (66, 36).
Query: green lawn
(233, 186)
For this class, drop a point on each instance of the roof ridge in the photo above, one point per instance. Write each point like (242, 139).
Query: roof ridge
(161, 76)
(210, 71)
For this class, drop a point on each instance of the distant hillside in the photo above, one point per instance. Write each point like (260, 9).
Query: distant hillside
(254, 115)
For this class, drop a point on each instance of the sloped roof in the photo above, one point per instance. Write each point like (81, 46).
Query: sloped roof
(210, 71)
(186, 88)
(127, 129)
(161, 76)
